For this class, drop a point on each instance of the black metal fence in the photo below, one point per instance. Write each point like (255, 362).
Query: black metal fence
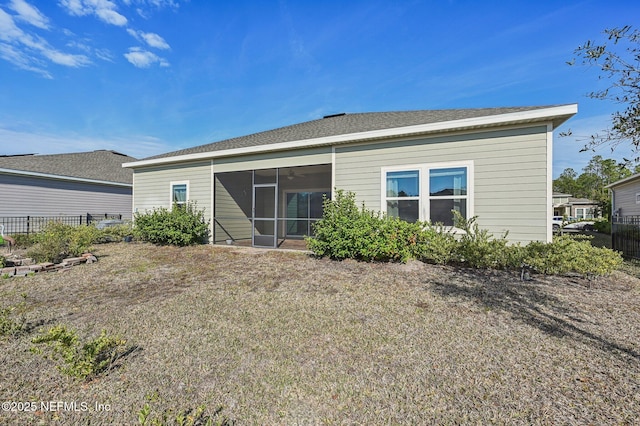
(30, 224)
(625, 235)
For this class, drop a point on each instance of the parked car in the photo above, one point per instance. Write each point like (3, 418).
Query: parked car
(585, 225)
(561, 221)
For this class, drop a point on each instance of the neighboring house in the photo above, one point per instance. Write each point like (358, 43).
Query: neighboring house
(65, 184)
(625, 220)
(579, 208)
(625, 196)
(560, 203)
(263, 188)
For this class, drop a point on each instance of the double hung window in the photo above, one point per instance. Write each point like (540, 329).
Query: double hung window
(403, 194)
(447, 193)
(428, 192)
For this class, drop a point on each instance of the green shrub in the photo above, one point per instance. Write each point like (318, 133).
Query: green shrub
(436, 244)
(57, 241)
(115, 233)
(603, 226)
(391, 239)
(79, 360)
(348, 232)
(567, 254)
(9, 324)
(181, 226)
(81, 238)
(151, 415)
(3, 261)
(23, 240)
(478, 248)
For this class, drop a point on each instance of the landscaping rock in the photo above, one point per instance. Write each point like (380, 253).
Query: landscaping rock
(8, 271)
(26, 266)
(22, 271)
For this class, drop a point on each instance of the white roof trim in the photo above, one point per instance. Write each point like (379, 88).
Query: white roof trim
(514, 117)
(60, 177)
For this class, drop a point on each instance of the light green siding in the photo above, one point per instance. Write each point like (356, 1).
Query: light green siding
(152, 185)
(233, 202)
(301, 157)
(510, 172)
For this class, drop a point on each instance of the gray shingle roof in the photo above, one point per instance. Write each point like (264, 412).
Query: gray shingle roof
(95, 165)
(346, 124)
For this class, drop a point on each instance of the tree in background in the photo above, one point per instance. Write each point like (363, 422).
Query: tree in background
(591, 183)
(618, 58)
(566, 182)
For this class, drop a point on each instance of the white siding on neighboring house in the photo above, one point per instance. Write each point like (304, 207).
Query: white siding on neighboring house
(37, 196)
(510, 170)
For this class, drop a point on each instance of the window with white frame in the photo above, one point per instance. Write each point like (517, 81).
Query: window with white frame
(584, 213)
(179, 193)
(428, 191)
(447, 192)
(403, 194)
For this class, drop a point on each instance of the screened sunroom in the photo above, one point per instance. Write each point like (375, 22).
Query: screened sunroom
(269, 207)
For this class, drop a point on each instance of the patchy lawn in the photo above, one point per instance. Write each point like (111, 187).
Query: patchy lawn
(283, 338)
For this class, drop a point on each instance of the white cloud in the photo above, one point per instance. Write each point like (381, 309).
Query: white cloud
(67, 59)
(28, 50)
(74, 7)
(146, 5)
(143, 58)
(156, 3)
(104, 54)
(105, 10)
(24, 142)
(111, 17)
(29, 14)
(23, 49)
(21, 60)
(8, 27)
(152, 39)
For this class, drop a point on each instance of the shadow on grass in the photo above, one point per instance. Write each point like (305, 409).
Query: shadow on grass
(117, 362)
(527, 302)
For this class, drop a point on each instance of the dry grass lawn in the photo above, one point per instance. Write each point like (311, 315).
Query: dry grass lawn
(283, 338)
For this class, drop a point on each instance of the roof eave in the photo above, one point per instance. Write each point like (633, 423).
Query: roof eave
(556, 115)
(66, 178)
(623, 181)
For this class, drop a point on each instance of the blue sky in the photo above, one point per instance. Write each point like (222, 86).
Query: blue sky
(144, 77)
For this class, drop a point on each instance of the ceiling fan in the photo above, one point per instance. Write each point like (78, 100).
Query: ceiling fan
(292, 174)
